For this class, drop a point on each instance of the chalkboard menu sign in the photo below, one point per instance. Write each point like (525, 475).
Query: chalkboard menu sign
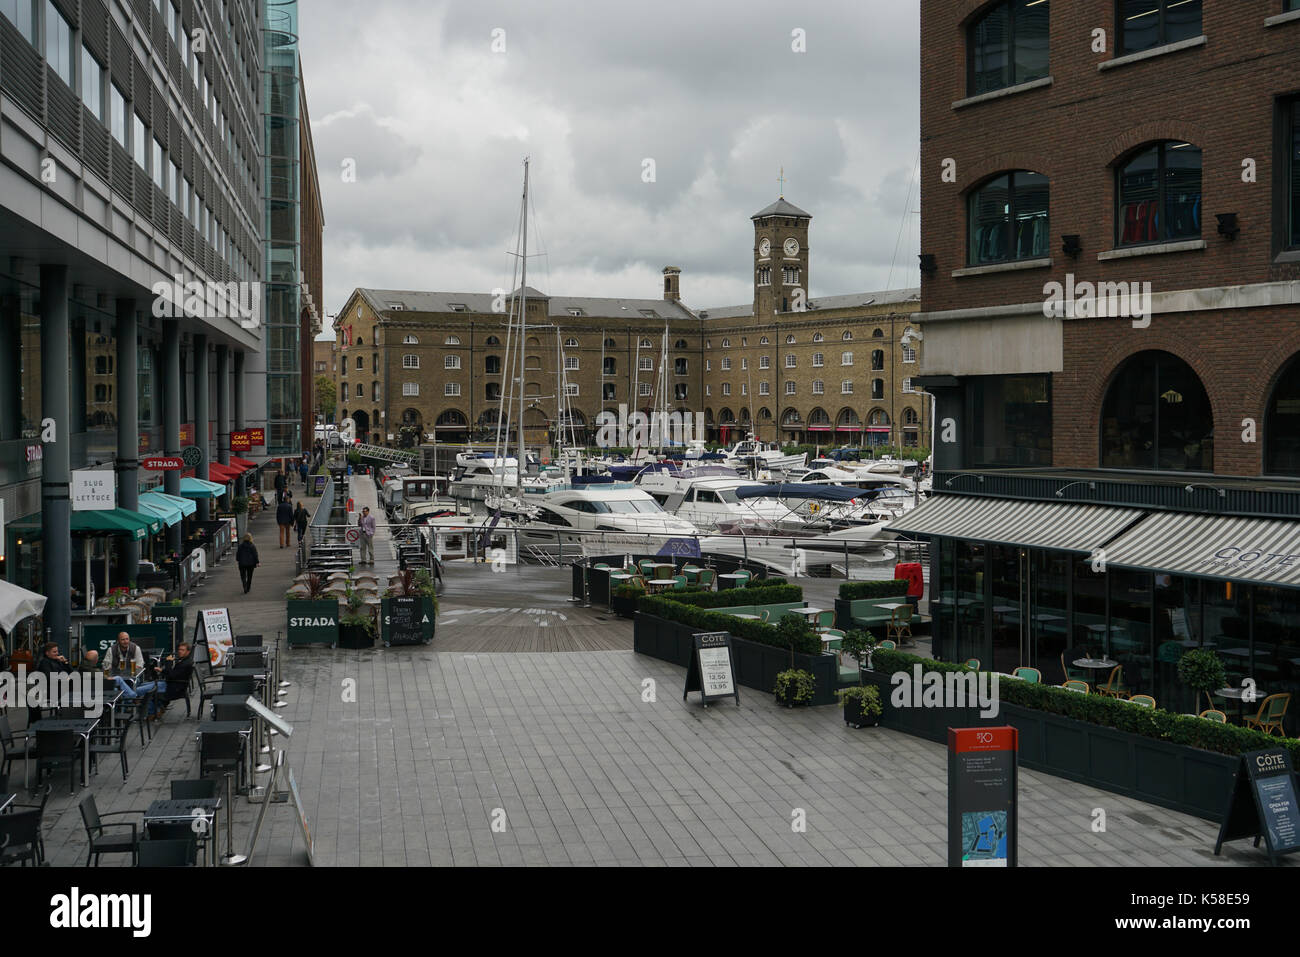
(710, 671)
(404, 620)
(1263, 804)
(982, 826)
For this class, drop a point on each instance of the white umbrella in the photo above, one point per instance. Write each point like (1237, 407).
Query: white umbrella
(17, 604)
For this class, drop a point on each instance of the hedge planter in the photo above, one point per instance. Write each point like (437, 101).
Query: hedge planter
(313, 622)
(755, 665)
(789, 702)
(854, 716)
(1176, 776)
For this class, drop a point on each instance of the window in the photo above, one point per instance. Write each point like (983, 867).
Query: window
(92, 84)
(451, 341)
(726, 343)
(744, 388)
(1008, 218)
(492, 365)
(607, 392)
(847, 336)
(575, 311)
(819, 387)
(790, 275)
(726, 363)
(909, 353)
(708, 390)
(744, 340)
(726, 388)
(492, 341)
(1144, 24)
(448, 362)
(494, 391)
(790, 360)
(570, 363)
(708, 365)
(20, 14)
(570, 343)
(410, 340)
(451, 388)
(413, 388)
(611, 344)
(765, 275)
(645, 388)
(909, 416)
(789, 387)
(649, 313)
(818, 337)
(907, 386)
(1292, 167)
(1282, 425)
(374, 391)
(409, 361)
(570, 388)
(117, 114)
(877, 388)
(819, 360)
(361, 362)
(679, 366)
(645, 343)
(789, 340)
(846, 387)
(608, 365)
(176, 184)
(1008, 45)
(158, 174)
(765, 362)
(764, 388)
(680, 344)
(360, 390)
(744, 362)
(679, 392)
(1156, 415)
(877, 334)
(59, 49)
(140, 143)
(1159, 192)
(645, 364)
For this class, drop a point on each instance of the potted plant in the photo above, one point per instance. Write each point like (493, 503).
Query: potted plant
(861, 706)
(313, 616)
(1202, 671)
(859, 645)
(356, 623)
(239, 506)
(792, 631)
(794, 687)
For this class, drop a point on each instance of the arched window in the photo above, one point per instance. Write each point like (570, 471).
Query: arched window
(789, 339)
(492, 341)
(680, 344)
(452, 341)
(1159, 193)
(533, 341)
(877, 334)
(763, 341)
(609, 366)
(1156, 415)
(847, 336)
(410, 340)
(818, 337)
(726, 343)
(570, 343)
(610, 344)
(1008, 218)
(1282, 424)
(360, 341)
(764, 414)
(645, 343)
(1008, 45)
(909, 416)
(878, 417)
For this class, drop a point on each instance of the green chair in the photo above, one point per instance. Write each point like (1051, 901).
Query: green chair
(1025, 673)
(1114, 686)
(680, 581)
(692, 573)
(888, 645)
(825, 620)
(1145, 700)
(745, 576)
(601, 566)
(1271, 712)
(1074, 684)
(708, 577)
(973, 663)
(900, 624)
(645, 565)
(664, 572)
(1214, 714)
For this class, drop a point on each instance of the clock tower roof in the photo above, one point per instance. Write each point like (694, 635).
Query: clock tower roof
(781, 208)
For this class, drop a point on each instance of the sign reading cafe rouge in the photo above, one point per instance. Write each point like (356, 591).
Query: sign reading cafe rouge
(257, 437)
(239, 441)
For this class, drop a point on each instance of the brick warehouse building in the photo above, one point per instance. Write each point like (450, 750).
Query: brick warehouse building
(414, 364)
(1160, 451)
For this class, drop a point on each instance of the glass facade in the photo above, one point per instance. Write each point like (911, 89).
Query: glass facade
(1011, 420)
(1156, 415)
(283, 306)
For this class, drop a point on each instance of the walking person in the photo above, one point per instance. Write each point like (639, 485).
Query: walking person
(246, 559)
(280, 483)
(301, 518)
(284, 518)
(302, 471)
(367, 525)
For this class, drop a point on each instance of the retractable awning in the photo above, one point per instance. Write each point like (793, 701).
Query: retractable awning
(1067, 526)
(1257, 550)
(186, 505)
(199, 488)
(115, 521)
(243, 464)
(164, 506)
(223, 473)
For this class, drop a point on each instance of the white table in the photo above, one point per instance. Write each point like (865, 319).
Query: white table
(808, 613)
(661, 583)
(736, 614)
(1237, 695)
(891, 605)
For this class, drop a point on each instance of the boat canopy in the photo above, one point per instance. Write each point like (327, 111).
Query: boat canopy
(800, 490)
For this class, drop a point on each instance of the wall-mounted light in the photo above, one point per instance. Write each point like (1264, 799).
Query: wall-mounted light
(1071, 246)
(929, 265)
(1060, 492)
(1228, 225)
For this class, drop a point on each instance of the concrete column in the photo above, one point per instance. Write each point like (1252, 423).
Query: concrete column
(949, 404)
(241, 484)
(171, 405)
(223, 405)
(202, 418)
(56, 456)
(128, 422)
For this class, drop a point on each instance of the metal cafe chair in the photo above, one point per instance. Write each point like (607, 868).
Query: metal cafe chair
(1271, 712)
(188, 789)
(1075, 684)
(1025, 673)
(54, 749)
(20, 838)
(221, 752)
(973, 664)
(1114, 686)
(1145, 700)
(20, 744)
(1214, 714)
(167, 853)
(102, 843)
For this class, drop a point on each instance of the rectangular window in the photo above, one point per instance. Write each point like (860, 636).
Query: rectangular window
(646, 364)
(1151, 23)
(846, 358)
(744, 388)
(176, 185)
(570, 388)
(374, 391)
(1012, 420)
(819, 387)
(570, 363)
(789, 360)
(708, 365)
(21, 14)
(1293, 170)
(726, 363)
(818, 360)
(789, 387)
(679, 367)
(708, 390)
(764, 388)
(159, 172)
(645, 388)
(744, 363)
(140, 142)
(117, 114)
(92, 84)
(846, 387)
(726, 388)
(59, 49)
(411, 362)
(909, 353)
(764, 362)
(413, 388)
(907, 385)
(451, 388)
(449, 362)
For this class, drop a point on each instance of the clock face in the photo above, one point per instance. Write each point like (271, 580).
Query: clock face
(792, 247)
(764, 247)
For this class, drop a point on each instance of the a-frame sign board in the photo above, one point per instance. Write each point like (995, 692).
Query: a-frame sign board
(1263, 804)
(710, 671)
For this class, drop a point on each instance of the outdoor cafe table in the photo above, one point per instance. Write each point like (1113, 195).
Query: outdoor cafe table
(809, 613)
(229, 699)
(1237, 695)
(731, 579)
(662, 583)
(1094, 664)
(257, 674)
(80, 726)
(165, 811)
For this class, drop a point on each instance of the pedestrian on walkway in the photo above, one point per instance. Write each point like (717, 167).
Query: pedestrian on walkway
(302, 471)
(246, 559)
(300, 519)
(284, 518)
(367, 525)
(280, 483)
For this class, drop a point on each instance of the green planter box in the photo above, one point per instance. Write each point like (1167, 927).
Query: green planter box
(313, 622)
(393, 635)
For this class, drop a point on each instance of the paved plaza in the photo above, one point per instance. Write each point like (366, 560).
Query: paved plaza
(408, 756)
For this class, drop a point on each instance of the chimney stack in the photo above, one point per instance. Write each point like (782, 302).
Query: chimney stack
(672, 284)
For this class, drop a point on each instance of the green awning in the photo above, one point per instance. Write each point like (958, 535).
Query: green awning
(115, 521)
(167, 511)
(201, 488)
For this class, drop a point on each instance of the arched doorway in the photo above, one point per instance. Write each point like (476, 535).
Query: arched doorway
(792, 425)
(1156, 415)
(847, 426)
(727, 427)
(1282, 423)
(452, 426)
(819, 428)
(362, 420)
(537, 427)
(411, 432)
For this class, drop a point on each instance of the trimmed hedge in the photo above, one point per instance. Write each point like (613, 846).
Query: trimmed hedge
(1107, 712)
(770, 581)
(705, 620)
(730, 597)
(854, 591)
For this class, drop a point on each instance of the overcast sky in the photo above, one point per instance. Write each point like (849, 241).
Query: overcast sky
(437, 125)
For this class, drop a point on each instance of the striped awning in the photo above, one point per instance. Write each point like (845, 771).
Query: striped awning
(1259, 550)
(1067, 525)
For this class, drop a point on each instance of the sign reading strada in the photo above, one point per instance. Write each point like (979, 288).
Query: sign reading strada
(163, 463)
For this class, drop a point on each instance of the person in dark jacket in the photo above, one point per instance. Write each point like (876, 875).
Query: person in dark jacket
(280, 484)
(301, 518)
(302, 471)
(175, 671)
(52, 663)
(246, 559)
(284, 518)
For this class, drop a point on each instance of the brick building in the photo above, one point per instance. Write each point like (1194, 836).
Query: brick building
(830, 370)
(1111, 306)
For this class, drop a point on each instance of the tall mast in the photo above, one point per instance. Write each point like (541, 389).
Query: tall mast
(523, 328)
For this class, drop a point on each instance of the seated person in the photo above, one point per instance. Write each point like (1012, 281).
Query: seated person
(175, 673)
(125, 652)
(52, 663)
(89, 661)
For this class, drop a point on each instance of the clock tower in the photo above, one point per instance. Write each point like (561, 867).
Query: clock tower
(780, 258)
